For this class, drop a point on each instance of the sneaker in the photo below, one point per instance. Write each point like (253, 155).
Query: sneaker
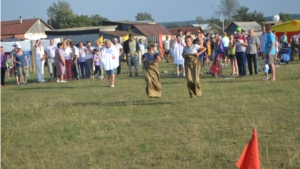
(201, 73)
(136, 74)
(112, 85)
(167, 61)
(183, 75)
(57, 81)
(63, 81)
(225, 65)
(20, 84)
(130, 75)
(267, 78)
(25, 84)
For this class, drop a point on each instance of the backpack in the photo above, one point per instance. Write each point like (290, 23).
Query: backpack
(221, 48)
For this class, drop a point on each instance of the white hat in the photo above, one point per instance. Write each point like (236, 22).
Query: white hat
(15, 44)
(18, 46)
(212, 36)
(235, 32)
(155, 44)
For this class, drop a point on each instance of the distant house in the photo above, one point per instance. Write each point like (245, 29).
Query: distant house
(119, 35)
(80, 34)
(193, 30)
(207, 27)
(246, 26)
(24, 29)
(149, 29)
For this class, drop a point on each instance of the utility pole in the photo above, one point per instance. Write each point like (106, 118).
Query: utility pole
(222, 20)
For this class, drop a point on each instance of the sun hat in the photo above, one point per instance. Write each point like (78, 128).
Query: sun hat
(19, 46)
(15, 44)
(238, 29)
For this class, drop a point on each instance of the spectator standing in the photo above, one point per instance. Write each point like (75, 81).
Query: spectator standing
(89, 58)
(131, 49)
(232, 57)
(263, 40)
(251, 51)
(110, 61)
(15, 50)
(82, 62)
(225, 41)
(177, 50)
(241, 44)
(60, 63)
(50, 51)
(142, 46)
(270, 51)
(120, 48)
(39, 61)
(75, 56)
(21, 65)
(68, 55)
(283, 38)
(3, 59)
(167, 48)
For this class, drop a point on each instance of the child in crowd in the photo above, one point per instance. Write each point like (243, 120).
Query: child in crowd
(232, 57)
(96, 64)
(266, 68)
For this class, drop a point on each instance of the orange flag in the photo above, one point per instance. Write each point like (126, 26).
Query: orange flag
(250, 156)
(160, 45)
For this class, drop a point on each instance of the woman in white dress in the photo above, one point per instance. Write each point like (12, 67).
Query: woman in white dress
(176, 51)
(110, 61)
(40, 58)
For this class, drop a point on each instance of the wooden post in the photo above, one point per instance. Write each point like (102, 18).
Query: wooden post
(33, 56)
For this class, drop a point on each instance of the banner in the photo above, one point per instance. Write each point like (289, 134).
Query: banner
(160, 45)
(125, 39)
(101, 40)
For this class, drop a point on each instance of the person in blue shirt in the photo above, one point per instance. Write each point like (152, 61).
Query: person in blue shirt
(270, 51)
(21, 65)
(151, 71)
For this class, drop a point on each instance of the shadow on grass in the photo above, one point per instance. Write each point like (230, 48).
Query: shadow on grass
(47, 88)
(124, 103)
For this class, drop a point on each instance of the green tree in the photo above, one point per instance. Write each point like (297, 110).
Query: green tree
(228, 8)
(285, 17)
(96, 20)
(60, 14)
(175, 25)
(199, 19)
(143, 17)
(80, 21)
(243, 15)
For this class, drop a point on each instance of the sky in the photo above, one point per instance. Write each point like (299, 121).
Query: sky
(161, 10)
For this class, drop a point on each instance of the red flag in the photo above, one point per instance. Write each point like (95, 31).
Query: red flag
(250, 156)
(160, 45)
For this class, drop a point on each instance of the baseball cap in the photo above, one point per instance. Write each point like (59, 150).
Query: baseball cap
(19, 46)
(238, 29)
(155, 44)
(15, 44)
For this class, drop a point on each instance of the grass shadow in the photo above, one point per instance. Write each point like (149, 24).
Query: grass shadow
(47, 88)
(124, 103)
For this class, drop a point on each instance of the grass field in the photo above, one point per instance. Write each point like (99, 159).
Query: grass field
(84, 124)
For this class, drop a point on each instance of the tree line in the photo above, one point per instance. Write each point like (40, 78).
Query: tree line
(60, 16)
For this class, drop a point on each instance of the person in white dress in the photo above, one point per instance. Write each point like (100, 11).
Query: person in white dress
(110, 61)
(176, 51)
(40, 58)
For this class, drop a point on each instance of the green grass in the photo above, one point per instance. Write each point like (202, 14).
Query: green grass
(84, 124)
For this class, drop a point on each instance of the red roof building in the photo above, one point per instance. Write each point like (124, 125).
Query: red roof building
(24, 29)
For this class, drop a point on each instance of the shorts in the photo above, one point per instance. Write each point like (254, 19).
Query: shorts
(270, 59)
(110, 72)
(201, 56)
(167, 52)
(50, 64)
(231, 56)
